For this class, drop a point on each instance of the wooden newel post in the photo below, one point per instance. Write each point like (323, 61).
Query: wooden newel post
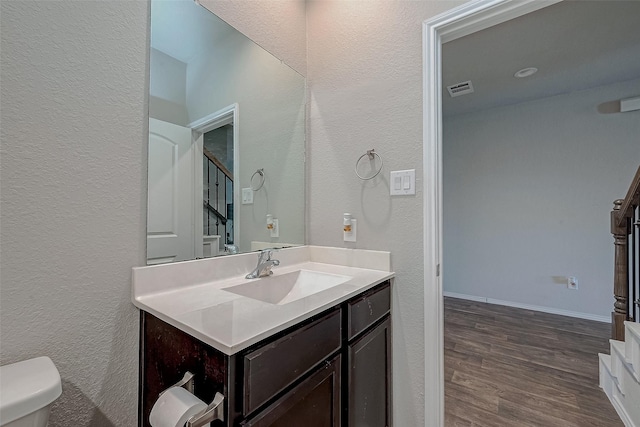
(620, 275)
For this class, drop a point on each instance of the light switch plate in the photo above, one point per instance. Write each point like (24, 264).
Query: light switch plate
(403, 183)
(247, 196)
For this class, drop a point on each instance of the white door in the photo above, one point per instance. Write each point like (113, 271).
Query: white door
(171, 192)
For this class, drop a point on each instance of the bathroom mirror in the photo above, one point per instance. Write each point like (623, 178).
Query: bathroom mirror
(226, 140)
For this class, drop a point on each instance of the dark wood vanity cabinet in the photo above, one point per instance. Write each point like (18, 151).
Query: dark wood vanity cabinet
(315, 402)
(329, 371)
(369, 378)
(367, 392)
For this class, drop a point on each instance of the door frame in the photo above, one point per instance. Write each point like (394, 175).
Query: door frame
(458, 22)
(227, 115)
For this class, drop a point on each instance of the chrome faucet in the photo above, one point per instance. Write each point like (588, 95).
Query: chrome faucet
(265, 263)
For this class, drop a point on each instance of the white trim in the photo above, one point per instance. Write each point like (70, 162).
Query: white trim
(433, 319)
(622, 412)
(197, 139)
(227, 115)
(551, 310)
(215, 120)
(608, 389)
(464, 296)
(457, 22)
(477, 15)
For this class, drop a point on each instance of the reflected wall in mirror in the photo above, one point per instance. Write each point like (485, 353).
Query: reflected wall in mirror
(226, 140)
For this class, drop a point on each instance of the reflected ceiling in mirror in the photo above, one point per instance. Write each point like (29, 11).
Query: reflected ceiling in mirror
(226, 140)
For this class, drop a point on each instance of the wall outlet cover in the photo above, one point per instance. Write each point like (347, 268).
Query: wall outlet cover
(351, 235)
(275, 231)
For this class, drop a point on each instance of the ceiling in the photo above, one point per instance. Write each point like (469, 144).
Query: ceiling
(183, 29)
(575, 45)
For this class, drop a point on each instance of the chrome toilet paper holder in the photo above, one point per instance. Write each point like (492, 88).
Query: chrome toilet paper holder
(213, 412)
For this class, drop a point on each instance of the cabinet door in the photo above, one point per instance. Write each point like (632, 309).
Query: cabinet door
(369, 383)
(315, 402)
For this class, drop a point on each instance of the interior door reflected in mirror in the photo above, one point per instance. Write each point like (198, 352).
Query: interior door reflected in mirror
(221, 109)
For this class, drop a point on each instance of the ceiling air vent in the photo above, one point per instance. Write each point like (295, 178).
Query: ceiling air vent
(459, 89)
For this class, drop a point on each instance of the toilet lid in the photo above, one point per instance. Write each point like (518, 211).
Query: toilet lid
(26, 387)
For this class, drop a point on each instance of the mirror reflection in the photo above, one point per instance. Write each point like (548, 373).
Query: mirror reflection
(226, 140)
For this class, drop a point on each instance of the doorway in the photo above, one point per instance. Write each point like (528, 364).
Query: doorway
(216, 140)
(218, 189)
(464, 20)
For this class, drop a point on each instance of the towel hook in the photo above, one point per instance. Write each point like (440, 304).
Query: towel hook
(259, 186)
(371, 154)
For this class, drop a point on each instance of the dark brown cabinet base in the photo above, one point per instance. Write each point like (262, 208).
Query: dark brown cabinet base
(329, 371)
(369, 386)
(313, 403)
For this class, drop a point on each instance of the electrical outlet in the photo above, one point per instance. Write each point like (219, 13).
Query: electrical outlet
(350, 236)
(572, 283)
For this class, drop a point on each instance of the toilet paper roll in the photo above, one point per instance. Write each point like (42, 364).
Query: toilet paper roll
(174, 407)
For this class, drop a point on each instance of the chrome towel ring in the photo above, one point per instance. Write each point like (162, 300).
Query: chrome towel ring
(371, 154)
(261, 183)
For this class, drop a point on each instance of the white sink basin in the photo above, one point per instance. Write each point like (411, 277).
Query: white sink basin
(285, 288)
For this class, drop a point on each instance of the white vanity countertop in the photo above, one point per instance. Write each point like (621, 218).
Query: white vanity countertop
(189, 295)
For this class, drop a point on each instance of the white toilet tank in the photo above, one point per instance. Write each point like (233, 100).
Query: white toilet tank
(27, 390)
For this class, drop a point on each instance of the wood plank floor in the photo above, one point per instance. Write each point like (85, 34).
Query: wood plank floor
(506, 366)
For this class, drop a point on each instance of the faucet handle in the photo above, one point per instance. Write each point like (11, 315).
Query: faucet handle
(267, 252)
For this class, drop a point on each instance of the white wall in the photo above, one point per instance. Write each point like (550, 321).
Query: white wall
(73, 198)
(527, 193)
(73, 192)
(365, 81)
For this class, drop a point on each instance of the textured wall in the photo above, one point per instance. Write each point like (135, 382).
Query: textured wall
(365, 82)
(527, 194)
(73, 189)
(74, 198)
(279, 26)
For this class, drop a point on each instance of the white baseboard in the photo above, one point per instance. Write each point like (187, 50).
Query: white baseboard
(622, 412)
(587, 316)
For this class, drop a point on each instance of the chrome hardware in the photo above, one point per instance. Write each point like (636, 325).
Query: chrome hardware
(213, 412)
(260, 173)
(186, 382)
(371, 155)
(230, 249)
(265, 263)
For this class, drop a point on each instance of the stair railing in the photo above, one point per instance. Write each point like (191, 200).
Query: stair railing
(217, 198)
(625, 227)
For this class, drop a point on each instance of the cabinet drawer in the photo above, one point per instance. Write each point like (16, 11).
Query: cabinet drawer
(274, 366)
(314, 402)
(368, 308)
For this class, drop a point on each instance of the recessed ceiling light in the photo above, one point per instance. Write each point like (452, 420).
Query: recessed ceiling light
(526, 72)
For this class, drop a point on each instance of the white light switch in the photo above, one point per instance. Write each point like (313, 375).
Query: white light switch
(404, 182)
(247, 196)
(397, 183)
